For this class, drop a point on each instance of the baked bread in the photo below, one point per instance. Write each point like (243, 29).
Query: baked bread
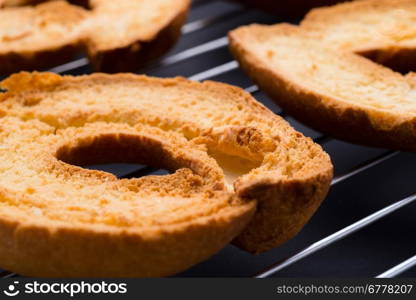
(234, 165)
(318, 72)
(287, 8)
(116, 35)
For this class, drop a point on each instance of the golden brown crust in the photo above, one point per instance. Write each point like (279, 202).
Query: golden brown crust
(283, 207)
(330, 114)
(70, 251)
(276, 169)
(126, 54)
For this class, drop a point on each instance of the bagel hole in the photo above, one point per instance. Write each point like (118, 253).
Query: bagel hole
(83, 3)
(122, 156)
(126, 170)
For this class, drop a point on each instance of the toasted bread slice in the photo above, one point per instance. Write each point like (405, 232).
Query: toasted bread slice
(288, 9)
(317, 72)
(116, 35)
(237, 170)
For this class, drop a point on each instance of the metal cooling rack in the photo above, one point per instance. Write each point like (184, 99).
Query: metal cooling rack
(366, 226)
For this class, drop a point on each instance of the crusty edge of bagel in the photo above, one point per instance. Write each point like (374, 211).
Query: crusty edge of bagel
(33, 249)
(353, 123)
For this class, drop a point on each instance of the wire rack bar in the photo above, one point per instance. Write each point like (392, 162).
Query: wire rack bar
(205, 22)
(336, 236)
(365, 166)
(399, 269)
(73, 65)
(215, 71)
(191, 52)
(140, 172)
(252, 89)
(175, 58)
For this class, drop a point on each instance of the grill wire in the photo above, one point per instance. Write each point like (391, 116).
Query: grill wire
(203, 53)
